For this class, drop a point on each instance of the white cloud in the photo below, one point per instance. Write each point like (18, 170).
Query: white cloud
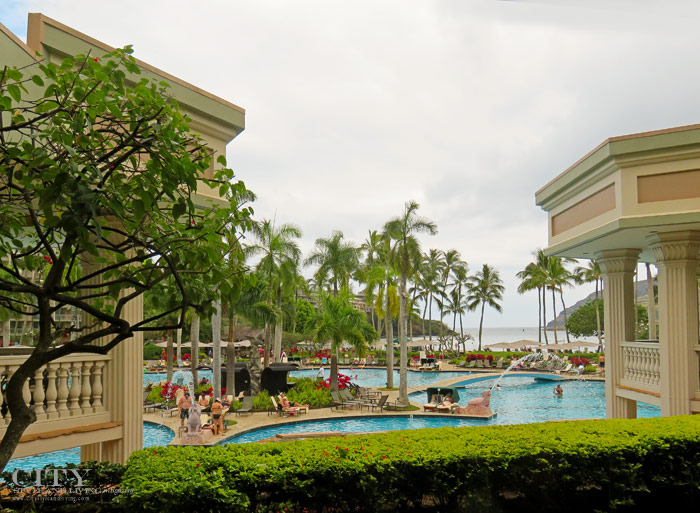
(468, 107)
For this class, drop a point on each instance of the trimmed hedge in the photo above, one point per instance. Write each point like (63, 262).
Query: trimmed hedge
(557, 466)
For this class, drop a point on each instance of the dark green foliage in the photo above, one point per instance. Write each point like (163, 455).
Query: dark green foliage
(152, 352)
(582, 323)
(563, 466)
(305, 316)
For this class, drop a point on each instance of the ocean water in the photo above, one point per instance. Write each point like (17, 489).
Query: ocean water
(494, 335)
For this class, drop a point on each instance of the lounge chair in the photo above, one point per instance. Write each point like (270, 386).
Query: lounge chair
(247, 406)
(282, 412)
(146, 403)
(499, 363)
(338, 401)
(480, 364)
(379, 404)
(347, 397)
(472, 364)
(487, 364)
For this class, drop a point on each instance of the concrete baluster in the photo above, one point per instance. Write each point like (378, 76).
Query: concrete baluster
(87, 388)
(75, 386)
(97, 387)
(51, 392)
(39, 395)
(62, 405)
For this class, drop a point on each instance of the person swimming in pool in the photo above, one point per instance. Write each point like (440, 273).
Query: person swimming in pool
(558, 391)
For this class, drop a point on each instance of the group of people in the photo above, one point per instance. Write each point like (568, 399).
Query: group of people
(217, 409)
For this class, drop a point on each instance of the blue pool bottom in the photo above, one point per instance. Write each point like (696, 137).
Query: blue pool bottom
(153, 434)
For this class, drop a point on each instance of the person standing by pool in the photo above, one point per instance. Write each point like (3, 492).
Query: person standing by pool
(184, 405)
(217, 411)
(320, 373)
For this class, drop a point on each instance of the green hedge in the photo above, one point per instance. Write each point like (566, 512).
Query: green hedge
(573, 466)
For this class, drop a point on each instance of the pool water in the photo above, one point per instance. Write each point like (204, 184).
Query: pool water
(520, 400)
(377, 377)
(153, 434)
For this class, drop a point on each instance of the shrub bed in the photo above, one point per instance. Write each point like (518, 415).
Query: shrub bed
(572, 466)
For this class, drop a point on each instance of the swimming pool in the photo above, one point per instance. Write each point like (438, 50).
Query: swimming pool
(153, 434)
(365, 377)
(377, 377)
(520, 400)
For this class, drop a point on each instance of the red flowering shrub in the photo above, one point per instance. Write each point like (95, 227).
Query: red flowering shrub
(343, 382)
(580, 361)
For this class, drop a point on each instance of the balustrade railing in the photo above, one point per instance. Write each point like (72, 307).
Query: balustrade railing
(642, 363)
(68, 387)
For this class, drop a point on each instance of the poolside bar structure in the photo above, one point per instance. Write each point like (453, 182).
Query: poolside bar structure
(87, 400)
(636, 198)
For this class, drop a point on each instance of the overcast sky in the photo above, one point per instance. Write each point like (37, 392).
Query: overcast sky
(468, 107)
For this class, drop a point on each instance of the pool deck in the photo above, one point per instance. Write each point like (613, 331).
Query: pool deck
(264, 419)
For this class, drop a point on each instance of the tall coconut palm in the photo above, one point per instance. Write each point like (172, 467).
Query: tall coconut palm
(382, 278)
(338, 321)
(337, 260)
(592, 273)
(406, 257)
(486, 288)
(371, 248)
(429, 277)
(460, 282)
(558, 276)
(278, 266)
(533, 277)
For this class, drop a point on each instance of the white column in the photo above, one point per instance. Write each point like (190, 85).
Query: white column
(676, 256)
(216, 348)
(618, 266)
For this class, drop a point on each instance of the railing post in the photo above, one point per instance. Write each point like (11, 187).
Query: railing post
(62, 406)
(87, 389)
(75, 386)
(39, 394)
(51, 392)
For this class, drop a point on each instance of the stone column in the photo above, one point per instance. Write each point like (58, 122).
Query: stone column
(618, 266)
(676, 256)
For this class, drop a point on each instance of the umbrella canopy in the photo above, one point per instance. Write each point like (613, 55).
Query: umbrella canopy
(224, 343)
(515, 345)
(572, 345)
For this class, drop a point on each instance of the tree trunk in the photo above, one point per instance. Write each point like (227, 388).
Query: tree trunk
(554, 314)
(277, 350)
(178, 334)
(539, 316)
(194, 349)
(216, 348)
(6, 333)
(651, 304)
(230, 357)
(334, 372)
(169, 358)
(430, 318)
(566, 329)
(597, 318)
(403, 350)
(481, 323)
(389, 344)
(267, 346)
(543, 290)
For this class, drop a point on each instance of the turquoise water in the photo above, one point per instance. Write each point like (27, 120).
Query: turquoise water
(153, 434)
(377, 377)
(520, 400)
(365, 377)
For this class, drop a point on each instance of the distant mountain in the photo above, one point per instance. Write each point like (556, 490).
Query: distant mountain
(641, 297)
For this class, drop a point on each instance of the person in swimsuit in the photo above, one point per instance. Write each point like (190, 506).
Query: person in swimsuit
(217, 413)
(558, 391)
(184, 405)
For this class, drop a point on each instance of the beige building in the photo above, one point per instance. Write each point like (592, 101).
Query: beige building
(93, 401)
(636, 198)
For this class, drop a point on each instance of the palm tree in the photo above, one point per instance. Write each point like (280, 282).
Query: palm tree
(558, 276)
(429, 277)
(371, 247)
(336, 260)
(406, 256)
(486, 289)
(533, 277)
(383, 278)
(338, 321)
(278, 267)
(459, 275)
(588, 274)
(542, 263)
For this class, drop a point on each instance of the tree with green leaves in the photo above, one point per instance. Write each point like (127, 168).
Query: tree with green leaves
(338, 321)
(486, 288)
(558, 277)
(337, 260)
(406, 258)
(98, 185)
(278, 268)
(592, 273)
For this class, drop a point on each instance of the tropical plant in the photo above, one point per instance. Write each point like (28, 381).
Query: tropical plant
(592, 273)
(278, 268)
(98, 185)
(558, 276)
(406, 257)
(336, 260)
(486, 288)
(338, 321)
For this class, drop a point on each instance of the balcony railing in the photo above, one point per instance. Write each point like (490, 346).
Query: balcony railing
(67, 388)
(642, 363)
